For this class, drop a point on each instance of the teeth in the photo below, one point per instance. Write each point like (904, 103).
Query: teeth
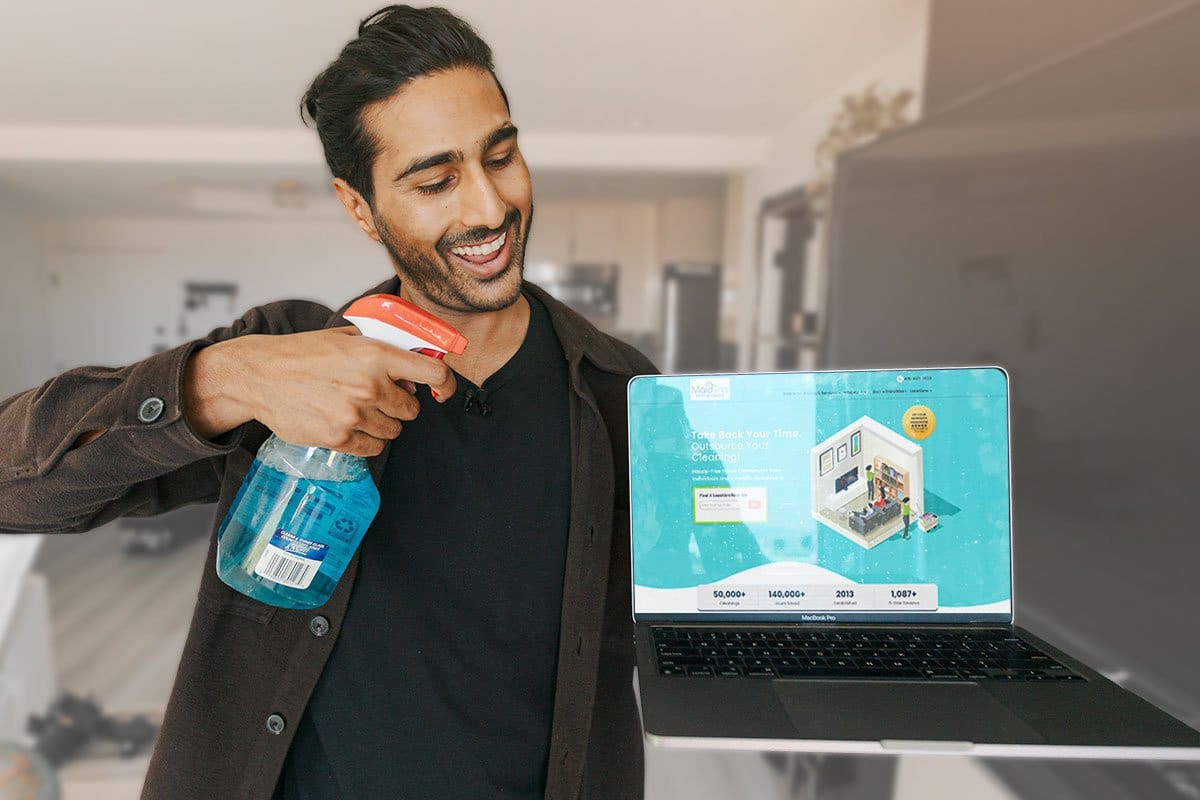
(483, 249)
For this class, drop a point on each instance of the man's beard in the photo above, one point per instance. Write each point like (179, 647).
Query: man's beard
(433, 276)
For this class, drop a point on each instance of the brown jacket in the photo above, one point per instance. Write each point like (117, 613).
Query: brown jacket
(245, 662)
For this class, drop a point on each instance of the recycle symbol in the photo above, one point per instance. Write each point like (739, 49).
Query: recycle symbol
(344, 525)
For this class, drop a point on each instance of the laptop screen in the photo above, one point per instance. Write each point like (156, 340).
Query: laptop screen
(821, 496)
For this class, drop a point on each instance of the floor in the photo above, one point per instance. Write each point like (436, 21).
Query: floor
(119, 621)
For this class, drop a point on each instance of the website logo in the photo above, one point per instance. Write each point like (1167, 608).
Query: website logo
(710, 388)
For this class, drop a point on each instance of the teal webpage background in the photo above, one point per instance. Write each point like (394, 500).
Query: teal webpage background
(965, 478)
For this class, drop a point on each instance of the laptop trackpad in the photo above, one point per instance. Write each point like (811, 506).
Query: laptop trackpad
(865, 711)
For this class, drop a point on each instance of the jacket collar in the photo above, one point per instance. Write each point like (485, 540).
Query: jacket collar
(579, 338)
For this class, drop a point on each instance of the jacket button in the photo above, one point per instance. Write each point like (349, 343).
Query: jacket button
(318, 625)
(150, 409)
(276, 724)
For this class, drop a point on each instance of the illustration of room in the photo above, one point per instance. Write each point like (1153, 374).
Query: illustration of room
(860, 475)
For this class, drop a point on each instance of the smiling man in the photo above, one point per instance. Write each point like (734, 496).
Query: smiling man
(480, 643)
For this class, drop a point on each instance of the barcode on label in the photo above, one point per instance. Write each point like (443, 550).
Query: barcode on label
(286, 568)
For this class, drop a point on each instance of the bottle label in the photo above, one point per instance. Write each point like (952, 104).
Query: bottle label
(290, 560)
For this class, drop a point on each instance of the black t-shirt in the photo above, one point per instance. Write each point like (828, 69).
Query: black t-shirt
(441, 684)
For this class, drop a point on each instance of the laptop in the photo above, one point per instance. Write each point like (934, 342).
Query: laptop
(822, 561)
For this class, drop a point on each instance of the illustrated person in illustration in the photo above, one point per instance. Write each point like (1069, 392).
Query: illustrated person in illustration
(870, 483)
(905, 512)
(882, 501)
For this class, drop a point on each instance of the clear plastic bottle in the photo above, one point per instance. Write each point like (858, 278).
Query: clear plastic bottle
(297, 519)
(301, 512)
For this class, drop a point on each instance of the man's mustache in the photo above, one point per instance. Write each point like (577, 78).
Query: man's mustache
(477, 236)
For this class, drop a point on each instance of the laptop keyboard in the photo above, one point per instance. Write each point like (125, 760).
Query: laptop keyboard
(983, 655)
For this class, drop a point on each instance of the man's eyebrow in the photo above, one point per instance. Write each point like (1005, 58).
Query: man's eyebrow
(502, 134)
(422, 163)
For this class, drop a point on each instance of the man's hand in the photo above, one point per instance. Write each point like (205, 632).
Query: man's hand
(330, 388)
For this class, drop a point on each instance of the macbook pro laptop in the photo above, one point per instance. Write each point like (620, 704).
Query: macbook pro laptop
(822, 561)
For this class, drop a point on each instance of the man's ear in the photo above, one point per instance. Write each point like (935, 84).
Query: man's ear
(357, 207)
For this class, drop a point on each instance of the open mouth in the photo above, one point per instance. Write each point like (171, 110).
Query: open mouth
(487, 259)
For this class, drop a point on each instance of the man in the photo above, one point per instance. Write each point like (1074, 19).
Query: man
(480, 643)
(870, 483)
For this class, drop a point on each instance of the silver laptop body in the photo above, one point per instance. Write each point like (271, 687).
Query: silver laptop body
(753, 512)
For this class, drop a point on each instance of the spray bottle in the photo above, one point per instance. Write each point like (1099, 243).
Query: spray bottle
(302, 511)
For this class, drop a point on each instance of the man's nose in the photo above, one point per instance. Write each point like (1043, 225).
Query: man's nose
(481, 204)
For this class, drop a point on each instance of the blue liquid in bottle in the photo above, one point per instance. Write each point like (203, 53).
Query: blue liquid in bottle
(297, 519)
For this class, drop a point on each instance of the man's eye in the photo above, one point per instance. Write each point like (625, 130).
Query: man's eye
(434, 188)
(503, 161)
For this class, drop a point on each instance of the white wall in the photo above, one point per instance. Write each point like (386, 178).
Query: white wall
(791, 159)
(640, 292)
(115, 281)
(24, 360)
(692, 228)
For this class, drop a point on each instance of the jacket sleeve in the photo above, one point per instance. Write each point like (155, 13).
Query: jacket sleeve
(145, 463)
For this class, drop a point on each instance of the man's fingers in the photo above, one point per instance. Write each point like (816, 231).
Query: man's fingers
(362, 444)
(405, 366)
(398, 403)
(379, 425)
(443, 390)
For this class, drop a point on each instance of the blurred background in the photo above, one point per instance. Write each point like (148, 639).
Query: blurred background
(750, 185)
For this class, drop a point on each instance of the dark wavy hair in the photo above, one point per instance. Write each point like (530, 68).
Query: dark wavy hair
(395, 45)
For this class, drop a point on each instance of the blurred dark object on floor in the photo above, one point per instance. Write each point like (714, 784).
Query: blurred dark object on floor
(72, 723)
(67, 727)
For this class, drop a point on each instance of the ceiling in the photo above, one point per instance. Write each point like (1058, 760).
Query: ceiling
(716, 66)
(589, 78)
